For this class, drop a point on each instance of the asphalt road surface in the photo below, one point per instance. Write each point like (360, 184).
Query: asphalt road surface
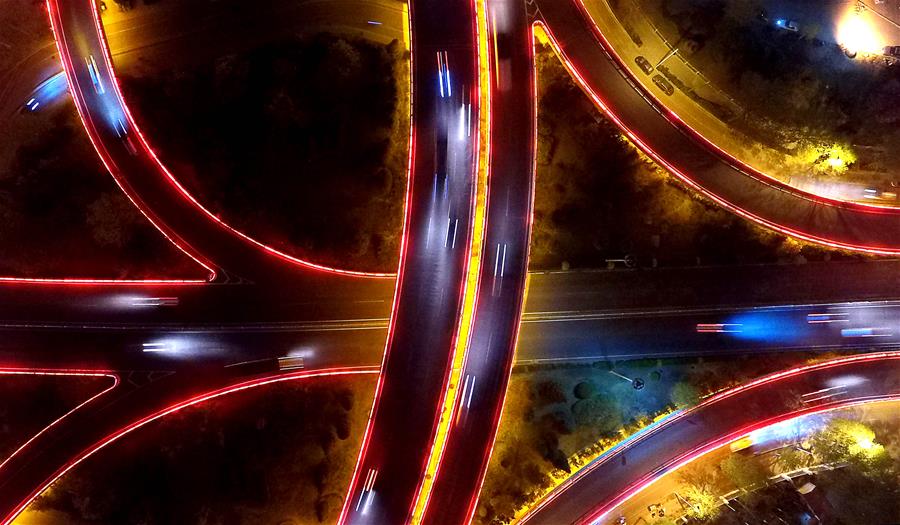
(432, 277)
(504, 263)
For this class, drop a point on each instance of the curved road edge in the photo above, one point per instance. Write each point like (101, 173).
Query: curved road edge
(613, 476)
(699, 164)
(52, 455)
(137, 169)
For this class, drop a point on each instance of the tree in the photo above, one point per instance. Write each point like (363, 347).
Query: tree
(703, 501)
(598, 413)
(585, 389)
(684, 395)
(549, 393)
(844, 440)
(703, 485)
(792, 459)
(746, 472)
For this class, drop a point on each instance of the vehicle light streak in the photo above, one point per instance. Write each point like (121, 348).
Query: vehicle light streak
(597, 516)
(436, 509)
(715, 398)
(368, 491)
(460, 347)
(68, 69)
(498, 413)
(720, 328)
(404, 239)
(47, 91)
(826, 318)
(115, 436)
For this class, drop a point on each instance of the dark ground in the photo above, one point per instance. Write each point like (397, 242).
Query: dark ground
(277, 454)
(301, 144)
(30, 403)
(62, 215)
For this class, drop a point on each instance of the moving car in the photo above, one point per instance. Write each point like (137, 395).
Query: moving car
(122, 133)
(95, 76)
(866, 332)
(741, 444)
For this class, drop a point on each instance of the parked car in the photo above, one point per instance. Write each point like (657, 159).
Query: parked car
(663, 84)
(790, 25)
(644, 64)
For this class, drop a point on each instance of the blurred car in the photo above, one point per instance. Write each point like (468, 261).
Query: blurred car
(876, 194)
(827, 317)
(95, 76)
(122, 133)
(719, 328)
(154, 301)
(866, 332)
(741, 444)
(644, 64)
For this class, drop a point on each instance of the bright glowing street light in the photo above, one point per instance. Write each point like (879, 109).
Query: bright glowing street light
(857, 34)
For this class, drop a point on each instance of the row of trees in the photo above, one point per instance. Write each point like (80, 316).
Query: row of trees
(861, 490)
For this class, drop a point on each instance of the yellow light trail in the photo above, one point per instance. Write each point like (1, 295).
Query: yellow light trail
(467, 315)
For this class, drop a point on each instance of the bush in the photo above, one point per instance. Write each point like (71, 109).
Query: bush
(684, 395)
(585, 390)
(549, 393)
(597, 413)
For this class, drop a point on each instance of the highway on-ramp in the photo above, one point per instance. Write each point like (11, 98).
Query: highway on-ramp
(488, 359)
(607, 481)
(433, 266)
(706, 169)
(228, 254)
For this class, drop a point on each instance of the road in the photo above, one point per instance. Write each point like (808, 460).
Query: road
(546, 337)
(433, 266)
(643, 507)
(612, 478)
(84, 432)
(699, 164)
(227, 253)
(429, 294)
(481, 384)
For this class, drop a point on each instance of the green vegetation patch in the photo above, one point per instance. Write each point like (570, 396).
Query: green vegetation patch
(598, 198)
(557, 417)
